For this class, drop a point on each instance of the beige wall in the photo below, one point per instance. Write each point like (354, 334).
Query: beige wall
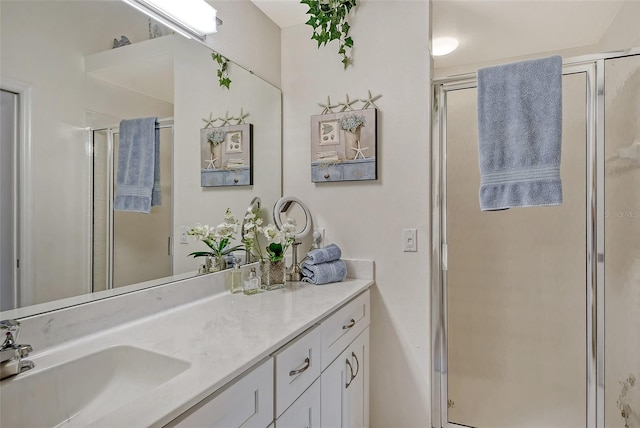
(366, 218)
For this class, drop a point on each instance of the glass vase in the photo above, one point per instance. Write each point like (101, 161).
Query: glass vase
(272, 274)
(215, 263)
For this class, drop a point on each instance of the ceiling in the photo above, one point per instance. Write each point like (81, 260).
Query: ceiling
(494, 28)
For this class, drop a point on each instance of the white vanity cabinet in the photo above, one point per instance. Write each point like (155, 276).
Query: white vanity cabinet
(247, 403)
(318, 379)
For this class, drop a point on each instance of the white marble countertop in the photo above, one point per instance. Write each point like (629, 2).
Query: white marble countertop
(220, 336)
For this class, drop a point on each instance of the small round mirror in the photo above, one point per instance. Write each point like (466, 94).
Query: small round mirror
(289, 207)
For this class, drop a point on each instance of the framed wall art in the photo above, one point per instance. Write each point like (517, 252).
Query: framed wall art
(343, 146)
(226, 156)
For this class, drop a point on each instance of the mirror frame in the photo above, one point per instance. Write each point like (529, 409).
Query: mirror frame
(282, 205)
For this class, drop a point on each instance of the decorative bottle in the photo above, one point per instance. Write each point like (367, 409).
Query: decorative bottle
(252, 284)
(235, 277)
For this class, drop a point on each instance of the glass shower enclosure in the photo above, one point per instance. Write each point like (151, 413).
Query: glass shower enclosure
(523, 299)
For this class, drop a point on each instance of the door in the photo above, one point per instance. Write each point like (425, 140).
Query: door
(515, 285)
(345, 387)
(8, 198)
(129, 247)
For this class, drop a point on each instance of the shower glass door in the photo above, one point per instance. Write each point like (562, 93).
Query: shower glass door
(622, 242)
(515, 285)
(129, 247)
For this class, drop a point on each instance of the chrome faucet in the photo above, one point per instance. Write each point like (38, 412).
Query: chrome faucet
(11, 354)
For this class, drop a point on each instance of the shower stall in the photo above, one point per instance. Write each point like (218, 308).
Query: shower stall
(536, 311)
(129, 247)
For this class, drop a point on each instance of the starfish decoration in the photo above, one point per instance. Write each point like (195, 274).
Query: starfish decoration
(241, 118)
(347, 104)
(208, 123)
(211, 162)
(359, 152)
(370, 101)
(328, 107)
(226, 119)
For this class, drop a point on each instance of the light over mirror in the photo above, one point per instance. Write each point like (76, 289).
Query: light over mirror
(66, 90)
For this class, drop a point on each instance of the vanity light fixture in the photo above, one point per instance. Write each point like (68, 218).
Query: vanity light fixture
(443, 45)
(191, 18)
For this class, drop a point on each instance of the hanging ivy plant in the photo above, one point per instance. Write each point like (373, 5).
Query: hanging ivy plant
(223, 69)
(329, 22)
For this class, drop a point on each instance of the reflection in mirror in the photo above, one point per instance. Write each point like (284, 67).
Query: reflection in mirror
(289, 207)
(252, 209)
(72, 91)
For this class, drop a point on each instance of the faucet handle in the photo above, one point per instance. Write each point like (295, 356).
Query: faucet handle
(10, 330)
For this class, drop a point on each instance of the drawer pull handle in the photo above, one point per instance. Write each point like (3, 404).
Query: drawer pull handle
(235, 180)
(352, 322)
(326, 176)
(353, 355)
(350, 375)
(303, 367)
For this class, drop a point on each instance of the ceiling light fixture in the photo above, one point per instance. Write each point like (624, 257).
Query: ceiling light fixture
(191, 18)
(443, 45)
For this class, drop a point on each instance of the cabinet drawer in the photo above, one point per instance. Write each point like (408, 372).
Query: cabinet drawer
(297, 366)
(342, 327)
(246, 403)
(304, 412)
(325, 172)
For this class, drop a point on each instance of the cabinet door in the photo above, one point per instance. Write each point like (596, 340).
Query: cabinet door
(345, 387)
(304, 412)
(248, 403)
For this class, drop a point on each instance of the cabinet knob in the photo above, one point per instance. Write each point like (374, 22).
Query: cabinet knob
(235, 181)
(326, 176)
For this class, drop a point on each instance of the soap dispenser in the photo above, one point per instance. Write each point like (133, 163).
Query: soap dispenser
(235, 277)
(252, 284)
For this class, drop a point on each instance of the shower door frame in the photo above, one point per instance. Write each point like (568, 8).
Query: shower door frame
(593, 67)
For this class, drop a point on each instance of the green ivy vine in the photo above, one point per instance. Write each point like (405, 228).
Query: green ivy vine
(328, 18)
(223, 69)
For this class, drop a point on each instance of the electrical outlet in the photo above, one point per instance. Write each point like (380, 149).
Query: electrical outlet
(184, 237)
(409, 240)
(318, 237)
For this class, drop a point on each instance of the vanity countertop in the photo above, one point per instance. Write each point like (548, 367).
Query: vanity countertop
(220, 336)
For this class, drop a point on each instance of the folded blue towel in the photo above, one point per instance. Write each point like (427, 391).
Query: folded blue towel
(324, 273)
(322, 255)
(520, 134)
(138, 176)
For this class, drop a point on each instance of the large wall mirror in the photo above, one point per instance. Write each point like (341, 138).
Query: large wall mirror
(65, 89)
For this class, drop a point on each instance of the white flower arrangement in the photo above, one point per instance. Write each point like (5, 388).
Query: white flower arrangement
(278, 241)
(216, 137)
(216, 238)
(351, 122)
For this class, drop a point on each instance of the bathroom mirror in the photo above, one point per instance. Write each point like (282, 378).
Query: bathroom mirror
(289, 207)
(75, 89)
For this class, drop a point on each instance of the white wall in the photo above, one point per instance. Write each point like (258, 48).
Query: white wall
(198, 95)
(249, 38)
(366, 218)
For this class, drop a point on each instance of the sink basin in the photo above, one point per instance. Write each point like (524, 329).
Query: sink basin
(81, 391)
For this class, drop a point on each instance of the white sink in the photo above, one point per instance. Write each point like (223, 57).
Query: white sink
(81, 391)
